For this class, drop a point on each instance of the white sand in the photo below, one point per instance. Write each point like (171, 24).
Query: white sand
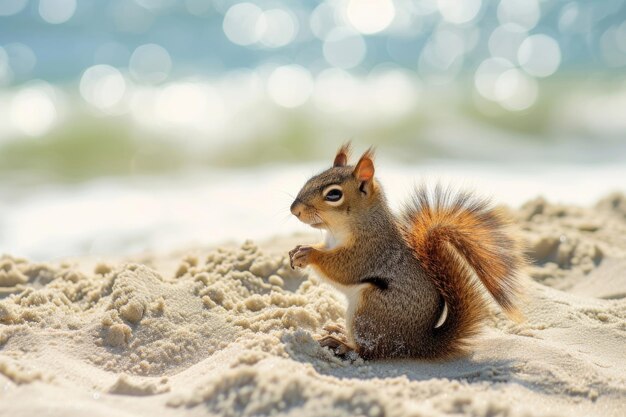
(230, 332)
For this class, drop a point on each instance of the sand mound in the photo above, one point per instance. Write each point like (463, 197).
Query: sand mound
(230, 332)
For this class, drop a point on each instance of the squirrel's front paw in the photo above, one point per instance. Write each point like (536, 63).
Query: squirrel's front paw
(300, 256)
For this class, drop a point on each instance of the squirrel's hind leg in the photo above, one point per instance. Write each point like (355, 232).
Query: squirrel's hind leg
(338, 344)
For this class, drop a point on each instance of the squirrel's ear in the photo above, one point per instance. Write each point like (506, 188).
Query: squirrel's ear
(364, 170)
(341, 159)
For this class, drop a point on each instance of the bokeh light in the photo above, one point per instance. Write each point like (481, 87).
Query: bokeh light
(244, 23)
(443, 56)
(370, 16)
(505, 40)
(394, 93)
(335, 90)
(33, 110)
(487, 75)
(150, 63)
(539, 55)
(21, 57)
(103, 87)
(524, 13)
(279, 29)
(6, 74)
(322, 20)
(515, 90)
(455, 11)
(189, 104)
(290, 86)
(57, 11)
(11, 7)
(613, 45)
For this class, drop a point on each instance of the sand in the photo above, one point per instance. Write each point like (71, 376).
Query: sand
(230, 331)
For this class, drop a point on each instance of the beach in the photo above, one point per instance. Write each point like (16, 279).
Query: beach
(150, 151)
(230, 330)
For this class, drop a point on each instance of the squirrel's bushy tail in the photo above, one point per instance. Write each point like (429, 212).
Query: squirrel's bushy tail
(457, 236)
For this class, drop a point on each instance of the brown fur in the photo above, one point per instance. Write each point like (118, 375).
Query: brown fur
(397, 273)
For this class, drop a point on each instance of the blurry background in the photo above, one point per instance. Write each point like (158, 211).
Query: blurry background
(129, 125)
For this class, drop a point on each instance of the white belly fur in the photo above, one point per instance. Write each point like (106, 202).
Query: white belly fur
(353, 298)
(332, 241)
(352, 293)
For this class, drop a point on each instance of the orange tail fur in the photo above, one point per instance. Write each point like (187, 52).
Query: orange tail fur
(456, 236)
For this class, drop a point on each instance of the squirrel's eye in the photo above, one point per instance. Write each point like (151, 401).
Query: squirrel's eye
(333, 195)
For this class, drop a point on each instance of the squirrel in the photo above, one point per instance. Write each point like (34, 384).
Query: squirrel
(409, 279)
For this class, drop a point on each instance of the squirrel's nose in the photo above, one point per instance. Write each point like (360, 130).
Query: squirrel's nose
(296, 210)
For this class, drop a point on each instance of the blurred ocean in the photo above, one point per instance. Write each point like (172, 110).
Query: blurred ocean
(128, 125)
(113, 216)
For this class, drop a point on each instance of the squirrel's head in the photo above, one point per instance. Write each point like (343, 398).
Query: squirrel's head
(332, 198)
